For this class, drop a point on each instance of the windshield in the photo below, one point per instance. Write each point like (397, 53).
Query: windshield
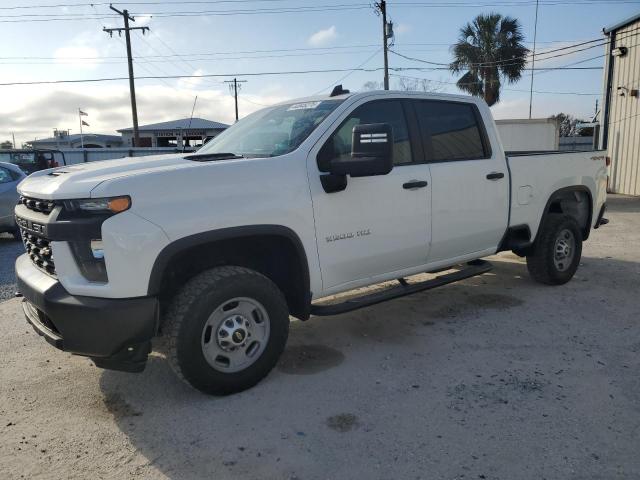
(271, 131)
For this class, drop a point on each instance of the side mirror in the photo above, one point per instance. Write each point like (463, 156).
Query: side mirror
(371, 152)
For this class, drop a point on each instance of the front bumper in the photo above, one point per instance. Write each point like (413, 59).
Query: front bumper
(115, 333)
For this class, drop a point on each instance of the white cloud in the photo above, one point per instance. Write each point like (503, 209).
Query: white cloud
(516, 108)
(142, 20)
(34, 111)
(323, 37)
(186, 83)
(77, 56)
(402, 28)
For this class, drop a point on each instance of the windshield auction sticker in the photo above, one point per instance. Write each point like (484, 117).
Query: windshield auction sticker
(304, 106)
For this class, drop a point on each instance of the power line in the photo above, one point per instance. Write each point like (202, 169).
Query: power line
(506, 62)
(441, 4)
(533, 64)
(337, 82)
(252, 74)
(175, 2)
(511, 3)
(510, 89)
(167, 58)
(236, 52)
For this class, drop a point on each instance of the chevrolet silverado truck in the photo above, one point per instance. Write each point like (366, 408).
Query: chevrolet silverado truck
(213, 251)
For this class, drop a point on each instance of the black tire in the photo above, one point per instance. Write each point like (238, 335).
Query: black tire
(187, 318)
(542, 263)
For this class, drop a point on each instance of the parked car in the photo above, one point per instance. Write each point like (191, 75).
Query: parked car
(292, 204)
(33, 160)
(10, 176)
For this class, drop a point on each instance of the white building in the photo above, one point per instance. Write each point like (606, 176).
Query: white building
(62, 139)
(186, 132)
(527, 135)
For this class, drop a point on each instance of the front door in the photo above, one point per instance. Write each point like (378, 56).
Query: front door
(378, 224)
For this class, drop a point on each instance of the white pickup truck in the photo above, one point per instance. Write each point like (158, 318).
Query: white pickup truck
(296, 202)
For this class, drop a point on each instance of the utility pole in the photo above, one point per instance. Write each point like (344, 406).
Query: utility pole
(132, 87)
(233, 87)
(387, 33)
(533, 62)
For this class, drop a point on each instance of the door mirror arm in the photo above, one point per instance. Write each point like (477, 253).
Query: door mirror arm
(333, 182)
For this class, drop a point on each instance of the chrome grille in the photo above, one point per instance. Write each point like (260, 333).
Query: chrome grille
(37, 205)
(39, 251)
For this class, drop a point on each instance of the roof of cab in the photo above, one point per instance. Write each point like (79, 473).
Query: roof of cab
(367, 93)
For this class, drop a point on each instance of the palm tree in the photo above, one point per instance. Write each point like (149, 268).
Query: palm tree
(489, 48)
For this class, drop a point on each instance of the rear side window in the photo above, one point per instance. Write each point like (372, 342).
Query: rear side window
(452, 131)
(338, 146)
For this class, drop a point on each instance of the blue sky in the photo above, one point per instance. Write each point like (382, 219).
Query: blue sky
(343, 39)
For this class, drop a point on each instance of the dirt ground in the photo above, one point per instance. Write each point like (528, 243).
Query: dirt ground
(492, 378)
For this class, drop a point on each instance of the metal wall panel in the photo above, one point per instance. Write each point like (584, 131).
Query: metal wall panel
(624, 117)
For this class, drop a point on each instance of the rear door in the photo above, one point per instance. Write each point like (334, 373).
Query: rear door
(377, 224)
(469, 180)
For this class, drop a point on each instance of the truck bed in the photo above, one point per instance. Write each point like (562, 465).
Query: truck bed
(536, 176)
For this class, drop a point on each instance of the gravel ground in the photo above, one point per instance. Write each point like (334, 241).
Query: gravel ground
(10, 249)
(495, 377)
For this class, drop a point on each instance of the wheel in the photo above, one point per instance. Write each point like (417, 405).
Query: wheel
(225, 330)
(557, 251)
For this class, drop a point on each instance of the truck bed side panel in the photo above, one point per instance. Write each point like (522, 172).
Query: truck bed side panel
(536, 177)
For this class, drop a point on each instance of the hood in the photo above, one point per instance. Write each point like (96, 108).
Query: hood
(77, 181)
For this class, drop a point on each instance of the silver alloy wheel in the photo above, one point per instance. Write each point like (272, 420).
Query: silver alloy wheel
(235, 334)
(564, 250)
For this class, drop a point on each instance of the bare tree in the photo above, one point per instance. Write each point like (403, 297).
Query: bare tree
(408, 84)
(569, 125)
(373, 85)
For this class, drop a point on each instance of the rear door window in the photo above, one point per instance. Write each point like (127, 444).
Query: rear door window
(451, 131)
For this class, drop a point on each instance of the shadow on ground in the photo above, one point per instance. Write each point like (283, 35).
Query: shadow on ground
(456, 382)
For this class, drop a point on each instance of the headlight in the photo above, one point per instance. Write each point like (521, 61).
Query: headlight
(110, 205)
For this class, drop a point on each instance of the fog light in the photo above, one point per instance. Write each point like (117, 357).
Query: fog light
(97, 249)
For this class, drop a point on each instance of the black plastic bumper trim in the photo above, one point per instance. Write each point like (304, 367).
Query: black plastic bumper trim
(101, 328)
(601, 220)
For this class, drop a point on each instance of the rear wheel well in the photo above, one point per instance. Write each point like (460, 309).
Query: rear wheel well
(575, 203)
(274, 256)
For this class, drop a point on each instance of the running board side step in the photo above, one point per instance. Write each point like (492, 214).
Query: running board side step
(476, 267)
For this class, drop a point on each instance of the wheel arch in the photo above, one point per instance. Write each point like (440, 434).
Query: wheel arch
(520, 239)
(275, 251)
(566, 200)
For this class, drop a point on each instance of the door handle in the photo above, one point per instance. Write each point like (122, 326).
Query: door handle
(495, 175)
(415, 184)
